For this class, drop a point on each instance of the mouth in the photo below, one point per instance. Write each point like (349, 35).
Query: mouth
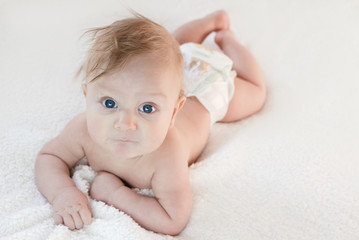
(124, 140)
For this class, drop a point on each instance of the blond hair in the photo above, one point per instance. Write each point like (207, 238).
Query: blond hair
(114, 45)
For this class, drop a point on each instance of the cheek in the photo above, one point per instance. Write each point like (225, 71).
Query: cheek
(157, 132)
(157, 135)
(97, 126)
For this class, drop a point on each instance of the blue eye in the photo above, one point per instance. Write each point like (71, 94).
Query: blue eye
(109, 103)
(147, 108)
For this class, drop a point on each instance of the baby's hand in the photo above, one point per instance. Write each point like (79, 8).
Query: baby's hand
(71, 208)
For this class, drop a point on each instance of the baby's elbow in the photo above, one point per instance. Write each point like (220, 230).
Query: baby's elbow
(175, 224)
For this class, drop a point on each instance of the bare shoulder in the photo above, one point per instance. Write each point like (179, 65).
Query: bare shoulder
(174, 150)
(78, 124)
(75, 131)
(171, 160)
(171, 165)
(68, 145)
(170, 182)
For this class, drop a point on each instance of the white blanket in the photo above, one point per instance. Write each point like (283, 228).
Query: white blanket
(288, 172)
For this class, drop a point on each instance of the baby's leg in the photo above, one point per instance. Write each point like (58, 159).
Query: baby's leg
(197, 30)
(250, 91)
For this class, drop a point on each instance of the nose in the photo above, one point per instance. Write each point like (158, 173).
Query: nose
(125, 121)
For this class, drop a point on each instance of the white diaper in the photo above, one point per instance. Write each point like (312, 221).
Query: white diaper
(208, 76)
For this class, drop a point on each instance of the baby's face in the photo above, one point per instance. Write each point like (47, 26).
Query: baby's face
(129, 112)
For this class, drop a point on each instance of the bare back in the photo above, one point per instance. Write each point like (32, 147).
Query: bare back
(193, 121)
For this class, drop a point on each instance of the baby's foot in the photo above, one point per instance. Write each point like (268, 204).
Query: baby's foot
(224, 36)
(220, 19)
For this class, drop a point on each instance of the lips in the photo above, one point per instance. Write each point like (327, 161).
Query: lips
(125, 140)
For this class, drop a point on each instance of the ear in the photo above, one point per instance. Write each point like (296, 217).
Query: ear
(84, 89)
(179, 104)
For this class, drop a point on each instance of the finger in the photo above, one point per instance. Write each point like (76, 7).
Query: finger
(58, 219)
(85, 214)
(77, 220)
(68, 221)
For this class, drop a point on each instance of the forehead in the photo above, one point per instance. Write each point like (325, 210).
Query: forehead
(142, 74)
(149, 65)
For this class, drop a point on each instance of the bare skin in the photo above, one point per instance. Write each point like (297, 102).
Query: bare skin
(132, 148)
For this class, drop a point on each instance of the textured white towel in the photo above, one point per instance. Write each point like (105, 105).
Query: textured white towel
(288, 172)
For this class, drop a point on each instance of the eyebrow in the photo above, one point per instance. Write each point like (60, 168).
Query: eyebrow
(154, 94)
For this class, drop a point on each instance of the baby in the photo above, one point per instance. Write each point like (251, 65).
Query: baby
(151, 98)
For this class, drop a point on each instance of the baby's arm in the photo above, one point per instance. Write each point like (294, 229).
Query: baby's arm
(172, 189)
(53, 180)
(168, 212)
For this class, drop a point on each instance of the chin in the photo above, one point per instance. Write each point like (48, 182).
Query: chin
(123, 152)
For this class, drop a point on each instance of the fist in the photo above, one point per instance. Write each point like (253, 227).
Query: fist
(71, 208)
